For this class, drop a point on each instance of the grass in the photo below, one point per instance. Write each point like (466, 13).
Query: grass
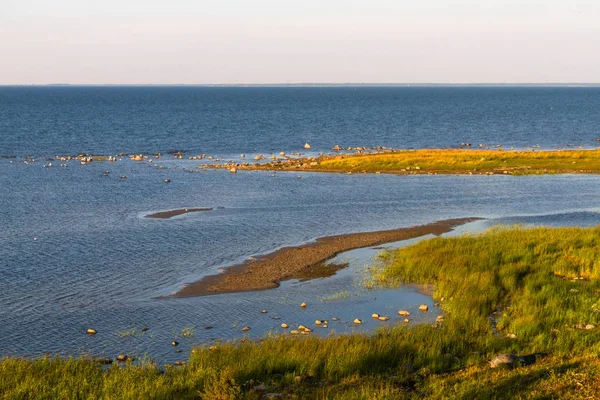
(529, 277)
(451, 161)
(341, 295)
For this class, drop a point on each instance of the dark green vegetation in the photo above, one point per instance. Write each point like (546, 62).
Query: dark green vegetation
(542, 284)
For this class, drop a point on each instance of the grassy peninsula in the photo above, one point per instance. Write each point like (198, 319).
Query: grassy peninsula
(442, 161)
(534, 293)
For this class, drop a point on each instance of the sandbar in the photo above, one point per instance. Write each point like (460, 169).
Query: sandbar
(174, 213)
(266, 272)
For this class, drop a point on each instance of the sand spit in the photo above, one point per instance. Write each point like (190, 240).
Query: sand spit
(174, 213)
(268, 271)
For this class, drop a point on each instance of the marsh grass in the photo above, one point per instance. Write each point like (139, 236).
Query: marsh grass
(525, 275)
(453, 161)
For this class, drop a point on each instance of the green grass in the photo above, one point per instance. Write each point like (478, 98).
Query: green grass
(526, 276)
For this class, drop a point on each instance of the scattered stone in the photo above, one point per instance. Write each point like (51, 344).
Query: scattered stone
(178, 363)
(144, 329)
(511, 336)
(91, 331)
(357, 321)
(324, 326)
(406, 320)
(335, 319)
(307, 146)
(178, 351)
(423, 307)
(294, 332)
(318, 322)
(233, 170)
(208, 327)
(245, 329)
(264, 311)
(303, 305)
(308, 330)
(383, 318)
(301, 327)
(167, 180)
(284, 326)
(174, 343)
(375, 316)
(103, 360)
(504, 360)
(589, 326)
(403, 313)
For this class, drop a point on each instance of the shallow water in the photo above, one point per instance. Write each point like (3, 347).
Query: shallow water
(77, 251)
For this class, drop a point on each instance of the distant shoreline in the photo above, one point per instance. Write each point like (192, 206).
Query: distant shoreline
(314, 84)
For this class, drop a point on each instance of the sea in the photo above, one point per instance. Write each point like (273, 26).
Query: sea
(77, 251)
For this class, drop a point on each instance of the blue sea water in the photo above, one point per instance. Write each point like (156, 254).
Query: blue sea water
(77, 252)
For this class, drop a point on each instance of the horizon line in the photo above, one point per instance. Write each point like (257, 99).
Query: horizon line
(319, 84)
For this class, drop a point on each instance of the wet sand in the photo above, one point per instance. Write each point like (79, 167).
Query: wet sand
(266, 272)
(174, 213)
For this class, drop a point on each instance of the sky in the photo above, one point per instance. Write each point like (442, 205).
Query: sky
(299, 41)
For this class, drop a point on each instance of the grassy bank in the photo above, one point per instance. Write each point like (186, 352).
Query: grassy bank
(523, 278)
(448, 161)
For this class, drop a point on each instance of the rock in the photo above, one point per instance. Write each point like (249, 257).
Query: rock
(403, 313)
(264, 311)
(174, 343)
(504, 360)
(178, 351)
(233, 170)
(284, 326)
(307, 146)
(336, 148)
(335, 319)
(357, 321)
(308, 330)
(144, 329)
(123, 358)
(423, 307)
(294, 332)
(324, 326)
(579, 326)
(179, 363)
(406, 320)
(383, 318)
(91, 331)
(245, 329)
(208, 327)
(511, 336)
(375, 316)
(318, 322)
(589, 326)
(303, 305)
(103, 360)
(167, 180)
(282, 154)
(301, 327)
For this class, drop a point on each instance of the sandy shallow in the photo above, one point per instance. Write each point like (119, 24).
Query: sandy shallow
(174, 213)
(268, 271)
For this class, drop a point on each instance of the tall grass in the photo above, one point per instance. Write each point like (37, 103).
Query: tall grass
(525, 276)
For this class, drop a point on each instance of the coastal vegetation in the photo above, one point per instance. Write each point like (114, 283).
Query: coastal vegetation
(531, 292)
(444, 161)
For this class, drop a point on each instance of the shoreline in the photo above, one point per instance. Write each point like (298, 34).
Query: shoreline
(462, 161)
(267, 271)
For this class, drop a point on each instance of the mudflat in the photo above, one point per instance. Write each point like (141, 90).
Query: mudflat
(174, 213)
(268, 271)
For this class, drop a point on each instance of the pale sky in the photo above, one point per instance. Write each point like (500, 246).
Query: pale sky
(300, 41)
